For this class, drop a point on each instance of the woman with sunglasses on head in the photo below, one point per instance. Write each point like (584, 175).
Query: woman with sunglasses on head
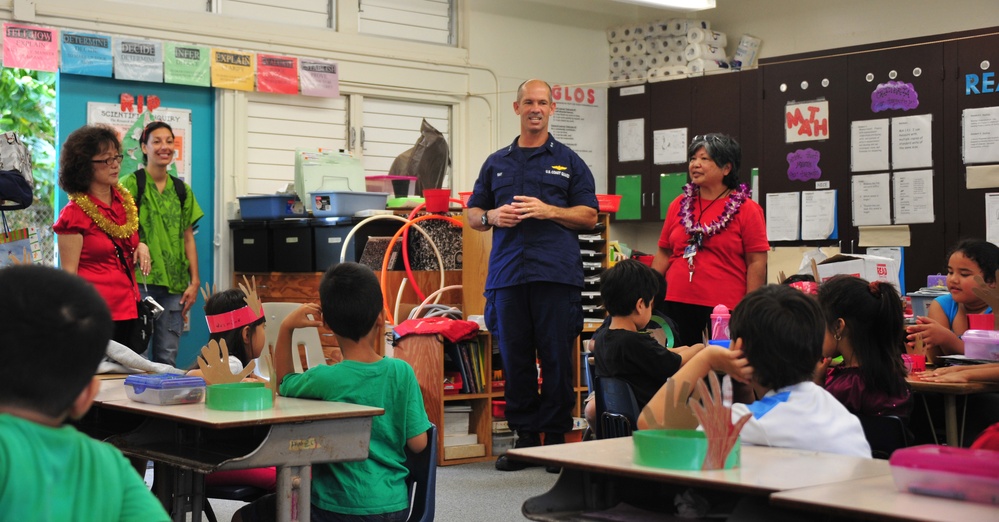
(713, 246)
(168, 212)
(98, 228)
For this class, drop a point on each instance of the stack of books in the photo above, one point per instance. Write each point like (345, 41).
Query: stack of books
(458, 442)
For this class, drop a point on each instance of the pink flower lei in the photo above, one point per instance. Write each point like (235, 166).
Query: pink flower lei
(702, 232)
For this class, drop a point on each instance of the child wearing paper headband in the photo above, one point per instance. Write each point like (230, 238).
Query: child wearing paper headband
(232, 320)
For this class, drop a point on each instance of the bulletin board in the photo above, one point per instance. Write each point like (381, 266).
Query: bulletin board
(908, 98)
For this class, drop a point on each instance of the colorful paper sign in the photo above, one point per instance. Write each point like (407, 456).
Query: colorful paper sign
(86, 53)
(29, 47)
(187, 64)
(894, 95)
(277, 74)
(319, 77)
(233, 69)
(139, 60)
(806, 121)
(803, 165)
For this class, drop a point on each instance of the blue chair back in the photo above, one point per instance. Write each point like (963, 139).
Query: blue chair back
(422, 479)
(885, 434)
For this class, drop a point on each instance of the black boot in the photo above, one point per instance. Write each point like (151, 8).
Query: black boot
(551, 439)
(525, 439)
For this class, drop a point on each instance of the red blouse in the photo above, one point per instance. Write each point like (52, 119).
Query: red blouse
(98, 261)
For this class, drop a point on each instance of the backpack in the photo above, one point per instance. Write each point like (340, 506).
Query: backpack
(140, 188)
(16, 183)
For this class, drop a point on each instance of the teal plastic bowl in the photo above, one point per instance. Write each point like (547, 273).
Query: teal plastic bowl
(239, 396)
(677, 449)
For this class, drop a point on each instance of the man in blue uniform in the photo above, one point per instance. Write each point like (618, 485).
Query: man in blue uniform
(536, 193)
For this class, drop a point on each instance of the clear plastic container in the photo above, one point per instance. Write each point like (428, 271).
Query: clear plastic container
(981, 344)
(165, 388)
(400, 186)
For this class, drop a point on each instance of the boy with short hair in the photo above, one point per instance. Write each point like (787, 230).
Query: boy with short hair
(352, 306)
(780, 331)
(622, 350)
(48, 470)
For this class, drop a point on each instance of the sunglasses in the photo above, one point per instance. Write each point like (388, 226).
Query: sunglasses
(712, 138)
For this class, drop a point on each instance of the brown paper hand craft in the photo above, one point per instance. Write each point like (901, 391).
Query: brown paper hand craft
(676, 414)
(214, 364)
(989, 295)
(716, 420)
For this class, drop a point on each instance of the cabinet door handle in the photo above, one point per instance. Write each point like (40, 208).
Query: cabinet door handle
(653, 199)
(643, 199)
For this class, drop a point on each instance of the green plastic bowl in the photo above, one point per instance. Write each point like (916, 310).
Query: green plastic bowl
(677, 449)
(239, 396)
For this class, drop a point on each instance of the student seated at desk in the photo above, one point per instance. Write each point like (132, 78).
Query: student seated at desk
(947, 318)
(56, 328)
(621, 350)
(777, 335)
(374, 488)
(864, 322)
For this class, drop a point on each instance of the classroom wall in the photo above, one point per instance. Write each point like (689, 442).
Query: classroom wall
(502, 43)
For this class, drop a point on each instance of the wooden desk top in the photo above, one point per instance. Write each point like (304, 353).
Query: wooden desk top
(877, 497)
(764, 470)
(953, 388)
(286, 410)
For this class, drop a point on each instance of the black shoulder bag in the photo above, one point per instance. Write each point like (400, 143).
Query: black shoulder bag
(143, 331)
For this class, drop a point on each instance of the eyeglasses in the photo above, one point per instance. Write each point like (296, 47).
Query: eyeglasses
(110, 161)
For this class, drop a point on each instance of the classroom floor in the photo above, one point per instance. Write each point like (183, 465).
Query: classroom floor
(465, 492)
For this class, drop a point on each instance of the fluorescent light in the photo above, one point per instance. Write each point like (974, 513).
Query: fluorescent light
(675, 5)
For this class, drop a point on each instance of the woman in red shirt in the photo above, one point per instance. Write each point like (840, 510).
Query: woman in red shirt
(98, 228)
(713, 247)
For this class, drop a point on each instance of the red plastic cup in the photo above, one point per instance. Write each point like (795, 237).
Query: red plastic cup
(437, 199)
(981, 321)
(914, 363)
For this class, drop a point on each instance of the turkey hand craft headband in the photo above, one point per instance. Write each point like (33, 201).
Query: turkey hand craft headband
(239, 317)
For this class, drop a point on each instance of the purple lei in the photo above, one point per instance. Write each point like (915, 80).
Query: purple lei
(735, 201)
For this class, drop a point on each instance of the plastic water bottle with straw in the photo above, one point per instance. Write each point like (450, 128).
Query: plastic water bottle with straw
(719, 322)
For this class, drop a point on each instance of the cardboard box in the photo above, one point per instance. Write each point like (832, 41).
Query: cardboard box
(871, 268)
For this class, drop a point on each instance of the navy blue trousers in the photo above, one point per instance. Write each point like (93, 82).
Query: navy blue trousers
(537, 323)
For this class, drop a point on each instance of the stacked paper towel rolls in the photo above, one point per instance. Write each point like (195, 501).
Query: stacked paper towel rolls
(696, 35)
(669, 49)
(704, 52)
(700, 66)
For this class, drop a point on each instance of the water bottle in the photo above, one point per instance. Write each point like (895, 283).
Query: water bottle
(719, 322)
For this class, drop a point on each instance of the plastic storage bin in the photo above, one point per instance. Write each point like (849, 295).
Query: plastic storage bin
(165, 388)
(270, 207)
(943, 471)
(981, 344)
(251, 246)
(399, 186)
(291, 245)
(330, 204)
(328, 235)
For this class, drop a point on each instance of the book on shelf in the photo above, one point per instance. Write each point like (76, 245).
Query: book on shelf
(464, 451)
(460, 440)
(457, 419)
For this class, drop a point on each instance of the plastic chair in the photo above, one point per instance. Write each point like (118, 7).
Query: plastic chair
(885, 434)
(422, 479)
(617, 408)
(276, 312)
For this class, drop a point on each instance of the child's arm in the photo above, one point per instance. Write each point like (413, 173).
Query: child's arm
(980, 372)
(418, 443)
(710, 358)
(935, 329)
(283, 362)
(687, 353)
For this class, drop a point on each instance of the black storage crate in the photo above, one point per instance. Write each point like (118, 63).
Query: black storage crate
(291, 245)
(329, 235)
(251, 246)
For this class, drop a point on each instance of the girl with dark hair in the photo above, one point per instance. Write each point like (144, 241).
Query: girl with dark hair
(98, 228)
(713, 246)
(864, 324)
(947, 319)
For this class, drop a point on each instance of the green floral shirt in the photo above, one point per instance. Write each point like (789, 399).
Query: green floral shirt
(162, 223)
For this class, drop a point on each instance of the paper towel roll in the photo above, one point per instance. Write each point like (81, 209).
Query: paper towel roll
(637, 46)
(661, 28)
(655, 74)
(640, 62)
(616, 48)
(677, 43)
(701, 66)
(702, 24)
(706, 36)
(677, 58)
(706, 52)
(655, 45)
(616, 66)
(745, 54)
(614, 34)
(677, 27)
(653, 60)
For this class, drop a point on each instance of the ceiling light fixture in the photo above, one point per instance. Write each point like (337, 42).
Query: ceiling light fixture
(675, 5)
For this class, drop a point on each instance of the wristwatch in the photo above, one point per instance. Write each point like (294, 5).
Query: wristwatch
(485, 218)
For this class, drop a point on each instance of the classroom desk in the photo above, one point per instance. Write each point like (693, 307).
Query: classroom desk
(599, 474)
(192, 440)
(950, 391)
(877, 498)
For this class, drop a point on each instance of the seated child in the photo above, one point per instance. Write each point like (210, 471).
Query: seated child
(56, 328)
(865, 325)
(623, 351)
(777, 335)
(373, 488)
(947, 318)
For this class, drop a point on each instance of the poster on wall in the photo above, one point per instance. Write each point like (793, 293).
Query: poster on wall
(30, 47)
(580, 122)
(980, 135)
(129, 125)
(807, 121)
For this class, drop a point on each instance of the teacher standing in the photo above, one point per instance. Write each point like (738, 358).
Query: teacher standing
(713, 247)
(535, 193)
